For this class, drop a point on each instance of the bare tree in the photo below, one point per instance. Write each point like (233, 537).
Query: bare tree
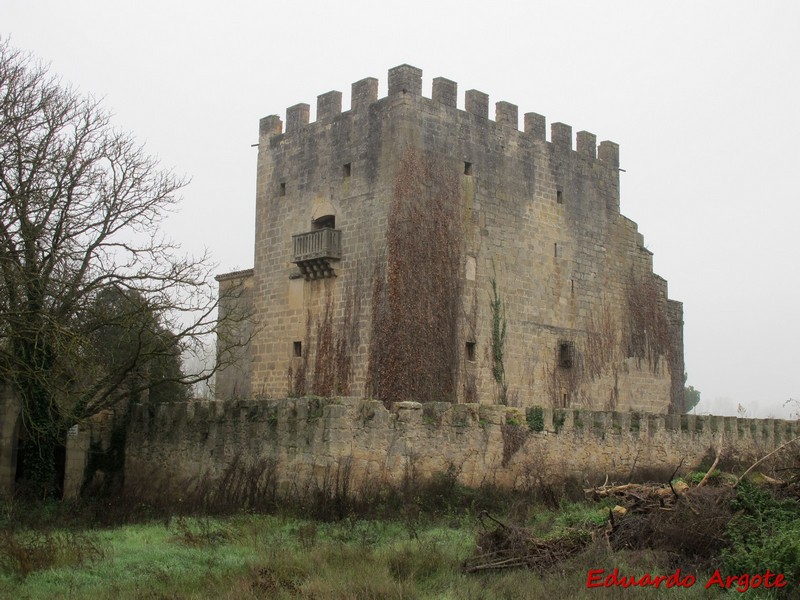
(80, 208)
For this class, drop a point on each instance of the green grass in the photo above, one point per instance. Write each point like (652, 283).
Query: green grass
(254, 556)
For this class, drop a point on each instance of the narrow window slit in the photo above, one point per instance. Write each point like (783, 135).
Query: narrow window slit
(470, 350)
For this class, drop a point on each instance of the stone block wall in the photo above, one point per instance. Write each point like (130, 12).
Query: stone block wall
(309, 436)
(79, 441)
(237, 327)
(537, 218)
(9, 433)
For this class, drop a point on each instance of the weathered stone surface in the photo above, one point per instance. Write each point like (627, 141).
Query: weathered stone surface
(306, 436)
(588, 322)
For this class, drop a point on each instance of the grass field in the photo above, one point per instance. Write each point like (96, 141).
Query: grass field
(259, 556)
(403, 544)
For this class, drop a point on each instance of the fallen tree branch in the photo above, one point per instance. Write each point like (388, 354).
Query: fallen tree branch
(760, 460)
(711, 470)
(675, 472)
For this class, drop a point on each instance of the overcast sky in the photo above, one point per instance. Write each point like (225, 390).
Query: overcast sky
(703, 98)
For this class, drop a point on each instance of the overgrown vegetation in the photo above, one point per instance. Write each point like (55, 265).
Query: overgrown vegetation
(499, 332)
(535, 418)
(416, 301)
(602, 345)
(334, 343)
(514, 437)
(96, 305)
(764, 534)
(647, 330)
(25, 552)
(428, 538)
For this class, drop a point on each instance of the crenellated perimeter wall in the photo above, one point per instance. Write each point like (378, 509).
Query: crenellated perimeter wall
(483, 443)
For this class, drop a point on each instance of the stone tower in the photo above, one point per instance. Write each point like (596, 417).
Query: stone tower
(409, 250)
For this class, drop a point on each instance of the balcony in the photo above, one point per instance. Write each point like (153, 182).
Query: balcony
(312, 252)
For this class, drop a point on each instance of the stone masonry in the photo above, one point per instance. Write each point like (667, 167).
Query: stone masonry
(9, 432)
(308, 438)
(396, 241)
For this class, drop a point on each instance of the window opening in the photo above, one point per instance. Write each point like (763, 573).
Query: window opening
(346, 170)
(324, 222)
(297, 347)
(566, 354)
(559, 196)
(470, 349)
(282, 190)
(467, 168)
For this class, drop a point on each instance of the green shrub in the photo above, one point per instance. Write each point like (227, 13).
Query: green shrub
(535, 418)
(696, 477)
(764, 535)
(581, 515)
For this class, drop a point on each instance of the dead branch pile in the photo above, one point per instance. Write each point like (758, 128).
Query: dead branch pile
(686, 522)
(690, 524)
(640, 498)
(507, 547)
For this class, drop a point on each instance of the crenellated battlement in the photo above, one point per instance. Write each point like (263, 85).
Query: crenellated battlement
(485, 443)
(537, 419)
(406, 80)
(460, 198)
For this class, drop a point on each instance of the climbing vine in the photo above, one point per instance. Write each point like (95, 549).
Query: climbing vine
(334, 342)
(297, 378)
(648, 332)
(414, 350)
(324, 363)
(602, 343)
(470, 378)
(348, 336)
(499, 331)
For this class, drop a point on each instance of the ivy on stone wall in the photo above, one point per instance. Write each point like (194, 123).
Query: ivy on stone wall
(331, 348)
(324, 364)
(647, 332)
(602, 345)
(414, 350)
(499, 332)
(297, 377)
(470, 381)
(348, 335)
(514, 437)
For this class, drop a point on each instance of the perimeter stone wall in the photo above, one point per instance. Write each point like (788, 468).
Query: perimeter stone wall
(483, 443)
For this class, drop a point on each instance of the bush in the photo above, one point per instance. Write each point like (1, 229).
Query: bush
(764, 535)
(535, 418)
